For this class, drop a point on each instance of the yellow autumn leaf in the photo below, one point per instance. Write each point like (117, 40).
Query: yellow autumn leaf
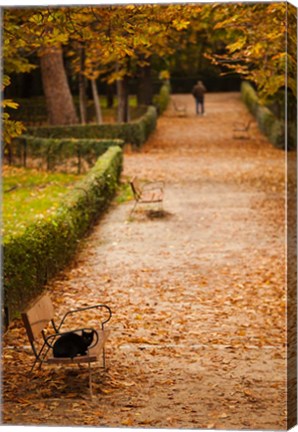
(223, 416)
(9, 103)
(127, 422)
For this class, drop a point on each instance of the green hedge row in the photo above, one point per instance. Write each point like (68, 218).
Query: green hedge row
(135, 132)
(270, 125)
(51, 152)
(31, 259)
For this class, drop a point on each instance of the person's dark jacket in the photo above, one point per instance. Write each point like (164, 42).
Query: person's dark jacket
(198, 91)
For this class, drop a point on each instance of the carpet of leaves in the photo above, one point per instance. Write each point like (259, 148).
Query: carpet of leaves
(198, 330)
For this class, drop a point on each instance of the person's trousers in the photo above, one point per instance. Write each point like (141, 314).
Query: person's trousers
(199, 106)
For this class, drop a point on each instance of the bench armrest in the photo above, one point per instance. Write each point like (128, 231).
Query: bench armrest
(98, 306)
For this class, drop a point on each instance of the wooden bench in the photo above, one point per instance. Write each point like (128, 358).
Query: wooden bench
(147, 193)
(42, 331)
(179, 108)
(241, 130)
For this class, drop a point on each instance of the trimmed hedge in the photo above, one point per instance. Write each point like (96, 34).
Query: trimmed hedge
(162, 99)
(135, 132)
(270, 125)
(31, 259)
(52, 152)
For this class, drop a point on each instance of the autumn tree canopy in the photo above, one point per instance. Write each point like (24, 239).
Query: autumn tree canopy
(255, 42)
(118, 42)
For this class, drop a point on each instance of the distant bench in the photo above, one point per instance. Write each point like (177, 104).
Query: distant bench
(148, 193)
(179, 108)
(242, 130)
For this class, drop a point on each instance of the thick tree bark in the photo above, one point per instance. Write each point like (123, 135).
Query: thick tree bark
(60, 106)
(96, 102)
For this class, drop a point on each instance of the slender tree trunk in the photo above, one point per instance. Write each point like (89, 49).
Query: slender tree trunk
(82, 88)
(96, 102)
(122, 94)
(110, 96)
(60, 106)
(121, 101)
(145, 86)
(123, 109)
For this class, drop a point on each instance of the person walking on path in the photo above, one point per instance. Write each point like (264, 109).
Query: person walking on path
(198, 92)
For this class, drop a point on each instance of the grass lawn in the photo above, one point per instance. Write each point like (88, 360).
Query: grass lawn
(30, 195)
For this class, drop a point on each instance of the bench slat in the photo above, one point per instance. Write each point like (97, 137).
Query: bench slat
(37, 317)
(148, 197)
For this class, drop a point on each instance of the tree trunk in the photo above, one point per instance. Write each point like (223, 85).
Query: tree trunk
(60, 106)
(110, 96)
(145, 87)
(82, 88)
(122, 93)
(96, 102)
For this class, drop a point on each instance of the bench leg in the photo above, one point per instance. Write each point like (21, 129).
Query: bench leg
(241, 135)
(133, 209)
(104, 357)
(33, 366)
(90, 380)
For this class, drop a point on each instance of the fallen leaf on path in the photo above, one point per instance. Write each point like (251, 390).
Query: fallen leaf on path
(223, 416)
(127, 422)
(143, 341)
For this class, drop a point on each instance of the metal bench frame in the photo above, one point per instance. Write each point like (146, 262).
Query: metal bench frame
(38, 316)
(179, 108)
(148, 193)
(241, 130)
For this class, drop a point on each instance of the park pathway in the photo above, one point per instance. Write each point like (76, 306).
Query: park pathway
(198, 295)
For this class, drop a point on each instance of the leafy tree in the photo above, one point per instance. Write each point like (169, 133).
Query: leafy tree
(254, 36)
(112, 41)
(120, 41)
(11, 128)
(190, 58)
(47, 32)
(13, 62)
(115, 43)
(42, 31)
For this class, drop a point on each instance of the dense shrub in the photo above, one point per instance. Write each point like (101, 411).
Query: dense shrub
(249, 97)
(270, 125)
(51, 152)
(31, 259)
(135, 132)
(162, 99)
